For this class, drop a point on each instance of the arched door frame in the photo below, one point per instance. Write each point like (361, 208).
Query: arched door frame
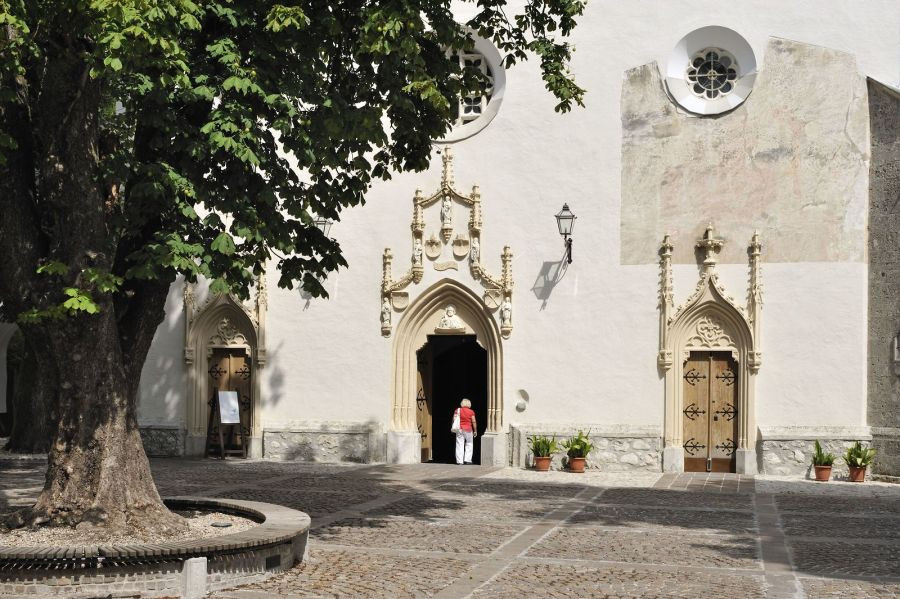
(710, 321)
(221, 323)
(421, 319)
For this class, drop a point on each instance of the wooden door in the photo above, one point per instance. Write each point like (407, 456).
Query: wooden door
(424, 404)
(710, 412)
(229, 370)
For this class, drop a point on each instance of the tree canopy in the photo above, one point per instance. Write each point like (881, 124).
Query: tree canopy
(223, 129)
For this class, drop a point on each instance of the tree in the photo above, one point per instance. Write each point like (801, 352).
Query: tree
(144, 139)
(30, 397)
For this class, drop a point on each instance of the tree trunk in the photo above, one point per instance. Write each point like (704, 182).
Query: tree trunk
(55, 208)
(98, 472)
(32, 401)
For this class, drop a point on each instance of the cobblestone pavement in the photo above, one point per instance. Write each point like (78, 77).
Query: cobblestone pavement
(449, 531)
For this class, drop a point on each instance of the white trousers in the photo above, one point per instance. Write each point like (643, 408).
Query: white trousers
(464, 444)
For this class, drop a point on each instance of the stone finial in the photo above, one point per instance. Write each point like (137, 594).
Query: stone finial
(418, 221)
(506, 273)
(447, 176)
(386, 259)
(262, 292)
(666, 291)
(710, 246)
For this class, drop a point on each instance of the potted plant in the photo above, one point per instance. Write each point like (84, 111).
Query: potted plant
(543, 448)
(858, 458)
(822, 463)
(577, 449)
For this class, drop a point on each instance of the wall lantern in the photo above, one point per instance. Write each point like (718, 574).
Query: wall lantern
(565, 220)
(324, 225)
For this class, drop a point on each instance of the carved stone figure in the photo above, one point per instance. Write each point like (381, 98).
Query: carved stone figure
(476, 248)
(450, 320)
(385, 313)
(417, 252)
(446, 213)
(506, 313)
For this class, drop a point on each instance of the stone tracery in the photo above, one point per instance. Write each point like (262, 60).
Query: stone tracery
(497, 290)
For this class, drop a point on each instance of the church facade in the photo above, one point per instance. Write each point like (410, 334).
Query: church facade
(728, 295)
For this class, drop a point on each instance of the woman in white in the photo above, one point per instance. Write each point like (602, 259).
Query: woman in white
(468, 430)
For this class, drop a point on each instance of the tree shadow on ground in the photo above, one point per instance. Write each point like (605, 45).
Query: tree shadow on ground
(839, 537)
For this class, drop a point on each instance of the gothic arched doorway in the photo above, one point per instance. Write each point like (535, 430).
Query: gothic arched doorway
(451, 367)
(422, 324)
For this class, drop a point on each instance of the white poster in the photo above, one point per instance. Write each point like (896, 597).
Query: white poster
(229, 409)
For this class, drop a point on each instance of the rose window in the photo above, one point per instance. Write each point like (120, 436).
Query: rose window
(712, 73)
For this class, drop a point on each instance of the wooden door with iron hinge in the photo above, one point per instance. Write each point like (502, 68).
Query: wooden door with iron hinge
(229, 370)
(710, 412)
(424, 420)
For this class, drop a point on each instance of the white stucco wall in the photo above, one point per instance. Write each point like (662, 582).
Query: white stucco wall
(587, 351)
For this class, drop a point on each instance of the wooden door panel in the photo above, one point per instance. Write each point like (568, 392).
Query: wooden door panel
(695, 413)
(710, 412)
(424, 421)
(230, 370)
(239, 371)
(723, 408)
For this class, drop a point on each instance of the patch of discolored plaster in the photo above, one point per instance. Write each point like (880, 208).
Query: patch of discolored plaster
(792, 162)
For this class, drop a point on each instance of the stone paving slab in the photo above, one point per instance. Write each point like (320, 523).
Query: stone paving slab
(652, 518)
(314, 503)
(842, 506)
(708, 551)
(840, 558)
(849, 589)
(831, 525)
(341, 573)
(677, 499)
(466, 508)
(438, 535)
(513, 490)
(555, 580)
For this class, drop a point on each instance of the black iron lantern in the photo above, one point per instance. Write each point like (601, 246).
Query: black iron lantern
(565, 220)
(324, 225)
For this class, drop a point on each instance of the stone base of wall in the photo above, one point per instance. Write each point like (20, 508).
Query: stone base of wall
(326, 442)
(887, 442)
(163, 441)
(789, 450)
(617, 448)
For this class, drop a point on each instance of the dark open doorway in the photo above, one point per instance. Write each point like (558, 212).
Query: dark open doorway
(455, 367)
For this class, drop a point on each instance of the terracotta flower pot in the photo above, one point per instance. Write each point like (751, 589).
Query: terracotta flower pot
(857, 475)
(542, 463)
(576, 464)
(823, 473)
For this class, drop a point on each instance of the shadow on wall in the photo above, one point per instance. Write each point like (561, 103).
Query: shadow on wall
(272, 393)
(548, 277)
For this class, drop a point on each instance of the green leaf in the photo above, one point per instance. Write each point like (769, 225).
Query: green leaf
(79, 301)
(223, 244)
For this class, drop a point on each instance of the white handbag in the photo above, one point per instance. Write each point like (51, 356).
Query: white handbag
(454, 428)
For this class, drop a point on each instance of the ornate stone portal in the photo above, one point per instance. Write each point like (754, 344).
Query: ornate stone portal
(497, 290)
(223, 322)
(447, 307)
(710, 320)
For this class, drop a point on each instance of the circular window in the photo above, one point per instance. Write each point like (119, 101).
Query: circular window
(474, 112)
(711, 71)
